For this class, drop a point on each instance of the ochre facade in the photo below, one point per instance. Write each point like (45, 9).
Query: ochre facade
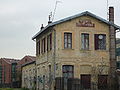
(28, 75)
(91, 62)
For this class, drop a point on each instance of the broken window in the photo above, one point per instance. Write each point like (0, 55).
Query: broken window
(68, 40)
(85, 41)
(100, 42)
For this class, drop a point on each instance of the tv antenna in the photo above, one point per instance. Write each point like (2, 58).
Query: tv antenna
(54, 12)
(107, 10)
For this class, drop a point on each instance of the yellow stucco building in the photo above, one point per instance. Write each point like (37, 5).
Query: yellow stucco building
(29, 75)
(75, 47)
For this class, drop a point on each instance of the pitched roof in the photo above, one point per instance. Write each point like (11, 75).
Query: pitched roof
(26, 59)
(28, 63)
(86, 13)
(10, 61)
(32, 57)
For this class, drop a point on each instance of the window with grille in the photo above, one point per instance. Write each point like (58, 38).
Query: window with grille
(67, 40)
(85, 41)
(100, 42)
(49, 42)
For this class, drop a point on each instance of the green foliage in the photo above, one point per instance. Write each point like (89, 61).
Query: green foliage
(24, 89)
(14, 89)
(9, 89)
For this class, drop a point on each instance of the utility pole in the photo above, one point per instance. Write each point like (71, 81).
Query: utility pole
(54, 56)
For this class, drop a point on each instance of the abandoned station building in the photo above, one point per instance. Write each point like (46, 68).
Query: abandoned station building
(80, 47)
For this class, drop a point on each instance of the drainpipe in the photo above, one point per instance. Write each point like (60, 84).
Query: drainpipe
(54, 55)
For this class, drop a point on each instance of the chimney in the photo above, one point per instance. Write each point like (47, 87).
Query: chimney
(42, 27)
(111, 14)
(49, 22)
(112, 49)
(49, 19)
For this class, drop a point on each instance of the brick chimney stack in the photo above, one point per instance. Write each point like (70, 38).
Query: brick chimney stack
(42, 26)
(112, 74)
(111, 14)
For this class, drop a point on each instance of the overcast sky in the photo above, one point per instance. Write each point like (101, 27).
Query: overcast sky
(21, 19)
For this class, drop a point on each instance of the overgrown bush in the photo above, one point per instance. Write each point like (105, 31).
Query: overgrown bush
(9, 89)
(24, 89)
(6, 89)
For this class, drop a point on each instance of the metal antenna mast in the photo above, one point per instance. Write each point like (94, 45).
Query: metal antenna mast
(107, 10)
(55, 9)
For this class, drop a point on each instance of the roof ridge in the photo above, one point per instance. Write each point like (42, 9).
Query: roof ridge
(75, 16)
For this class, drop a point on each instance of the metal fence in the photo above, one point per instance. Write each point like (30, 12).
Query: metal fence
(75, 84)
(72, 84)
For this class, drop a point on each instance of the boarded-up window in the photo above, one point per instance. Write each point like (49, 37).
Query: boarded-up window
(86, 81)
(102, 81)
(68, 40)
(49, 42)
(100, 42)
(85, 41)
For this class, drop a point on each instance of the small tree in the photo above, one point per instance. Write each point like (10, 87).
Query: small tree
(98, 71)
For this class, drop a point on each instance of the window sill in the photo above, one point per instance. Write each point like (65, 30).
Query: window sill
(102, 50)
(85, 50)
(68, 49)
(49, 51)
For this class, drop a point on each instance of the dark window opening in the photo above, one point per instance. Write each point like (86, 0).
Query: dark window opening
(49, 42)
(14, 72)
(102, 81)
(38, 48)
(26, 60)
(0, 74)
(43, 46)
(86, 81)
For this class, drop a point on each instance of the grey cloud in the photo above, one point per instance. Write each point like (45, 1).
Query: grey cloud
(21, 19)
